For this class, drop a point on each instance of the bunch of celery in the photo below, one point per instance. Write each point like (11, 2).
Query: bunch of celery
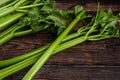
(21, 17)
(102, 26)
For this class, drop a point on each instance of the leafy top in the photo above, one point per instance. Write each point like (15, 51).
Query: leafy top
(47, 17)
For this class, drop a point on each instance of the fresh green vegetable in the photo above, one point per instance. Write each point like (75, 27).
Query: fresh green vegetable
(11, 61)
(80, 38)
(99, 20)
(29, 61)
(7, 20)
(41, 61)
(103, 26)
(3, 2)
(11, 11)
(38, 18)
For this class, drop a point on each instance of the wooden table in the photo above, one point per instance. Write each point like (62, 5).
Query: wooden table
(88, 61)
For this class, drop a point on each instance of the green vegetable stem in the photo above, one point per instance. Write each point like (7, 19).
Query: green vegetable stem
(104, 32)
(37, 18)
(102, 26)
(14, 60)
(49, 51)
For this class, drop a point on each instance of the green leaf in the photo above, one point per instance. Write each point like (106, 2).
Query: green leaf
(41, 26)
(57, 17)
(48, 6)
(102, 16)
(78, 9)
(33, 18)
(110, 13)
(118, 15)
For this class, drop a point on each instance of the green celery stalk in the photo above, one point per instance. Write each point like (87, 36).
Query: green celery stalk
(9, 35)
(8, 5)
(30, 6)
(17, 34)
(8, 30)
(11, 9)
(29, 61)
(41, 61)
(6, 21)
(6, 38)
(34, 52)
(3, 2)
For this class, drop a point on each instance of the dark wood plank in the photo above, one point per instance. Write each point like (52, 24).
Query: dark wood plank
(90, 57)
(73, 72)
(90, 5)
(21, 45)
(100, 52)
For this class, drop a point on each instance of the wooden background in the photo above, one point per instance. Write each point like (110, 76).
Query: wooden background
(88, 61)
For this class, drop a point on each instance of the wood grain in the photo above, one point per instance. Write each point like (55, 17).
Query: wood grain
(88, 61)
